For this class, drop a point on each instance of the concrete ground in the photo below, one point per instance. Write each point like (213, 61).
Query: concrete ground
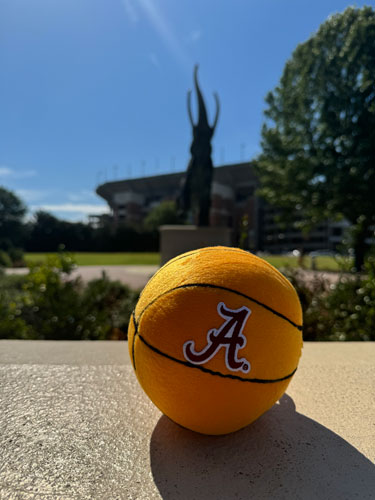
(75, 424)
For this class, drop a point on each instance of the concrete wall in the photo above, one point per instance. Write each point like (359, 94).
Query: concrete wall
(175, 240)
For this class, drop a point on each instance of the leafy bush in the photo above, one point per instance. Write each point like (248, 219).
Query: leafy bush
(49, 304)
(164, 213)
(109, 304)
(5, 260)
(11, 325)
(12, 257)
(341, 311)
(16, 256)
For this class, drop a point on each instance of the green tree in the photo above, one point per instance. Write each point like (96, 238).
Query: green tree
(48, 233)
(165, 213)
(12, 211)
(318, 142)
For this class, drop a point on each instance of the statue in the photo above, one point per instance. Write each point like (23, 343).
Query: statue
(195, 198)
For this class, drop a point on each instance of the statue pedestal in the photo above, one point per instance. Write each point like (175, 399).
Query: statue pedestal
(175, 240)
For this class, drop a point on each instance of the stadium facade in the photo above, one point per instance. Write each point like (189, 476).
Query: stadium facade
(233, 201)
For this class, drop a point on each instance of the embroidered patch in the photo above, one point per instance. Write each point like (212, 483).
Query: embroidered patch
(229, 336)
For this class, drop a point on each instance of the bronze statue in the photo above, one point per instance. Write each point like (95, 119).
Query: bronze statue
(195, 199)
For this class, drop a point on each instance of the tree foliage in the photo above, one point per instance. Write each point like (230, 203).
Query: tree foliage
(12, 211)
(318, 142)
(50, 304)
(48, 233)
(164, 213)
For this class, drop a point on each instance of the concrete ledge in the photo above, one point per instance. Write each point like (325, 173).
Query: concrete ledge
(74, 423)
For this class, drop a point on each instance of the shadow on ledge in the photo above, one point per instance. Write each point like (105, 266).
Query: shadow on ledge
(282, 455)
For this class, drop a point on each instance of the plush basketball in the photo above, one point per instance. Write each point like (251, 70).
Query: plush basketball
(215, 338)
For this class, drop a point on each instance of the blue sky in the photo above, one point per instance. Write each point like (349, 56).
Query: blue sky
(95, 90)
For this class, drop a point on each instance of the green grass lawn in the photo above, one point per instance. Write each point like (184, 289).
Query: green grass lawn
(105, 259)
(323, 263)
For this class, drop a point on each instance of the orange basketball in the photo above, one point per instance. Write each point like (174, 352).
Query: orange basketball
(215, 338)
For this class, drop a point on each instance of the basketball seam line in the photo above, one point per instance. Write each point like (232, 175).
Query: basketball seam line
(193, 252)
(134, 336)
(210, 285)
(212, 372)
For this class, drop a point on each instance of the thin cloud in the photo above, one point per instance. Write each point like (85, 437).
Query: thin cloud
(154, 60)
(130, 11)
(85, 196)
(194, 36)
(33, 195)
(83, 208)
(11, 173)
(161, 26)
(80, 196)
(5, 171)
(158, 21)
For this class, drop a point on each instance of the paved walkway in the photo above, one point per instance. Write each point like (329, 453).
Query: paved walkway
(133, 276)
(137, 276)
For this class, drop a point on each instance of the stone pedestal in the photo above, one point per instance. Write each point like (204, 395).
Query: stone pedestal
(175, 240)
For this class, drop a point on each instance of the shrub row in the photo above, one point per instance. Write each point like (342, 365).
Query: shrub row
(50, 304)
(81, 237)
(337, 311)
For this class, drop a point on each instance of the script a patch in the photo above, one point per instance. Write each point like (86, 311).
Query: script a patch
(228, 336)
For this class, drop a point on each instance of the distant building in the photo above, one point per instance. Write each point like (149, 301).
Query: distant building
(99, 220)
(233, 196)
(326, 235)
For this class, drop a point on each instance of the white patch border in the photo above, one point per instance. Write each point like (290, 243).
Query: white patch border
(245, 362)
